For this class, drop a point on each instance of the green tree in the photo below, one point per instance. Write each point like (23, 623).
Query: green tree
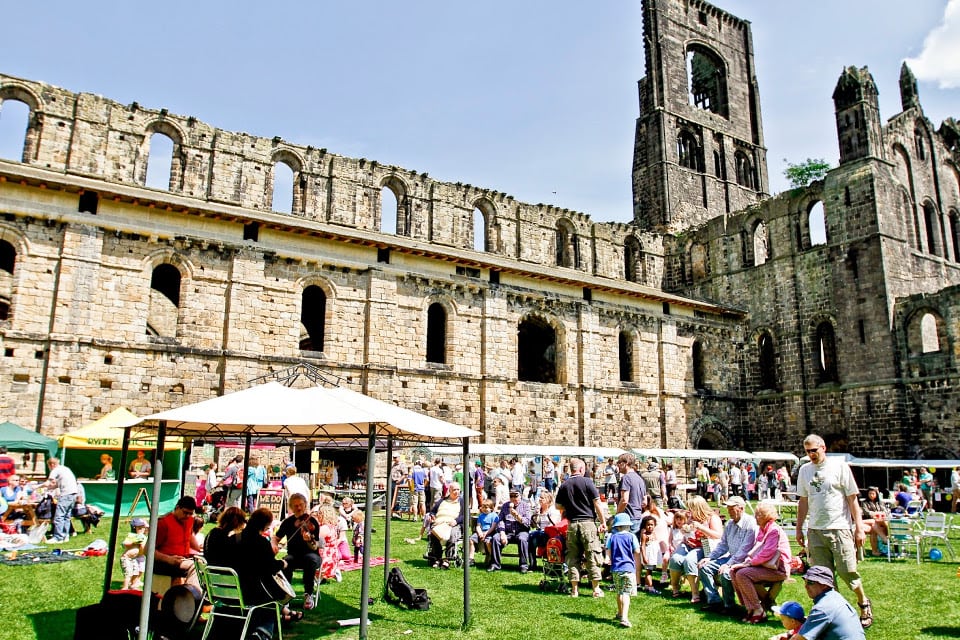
(803, 173)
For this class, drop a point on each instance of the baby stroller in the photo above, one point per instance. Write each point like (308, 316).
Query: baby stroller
(554, 559)
(214, 503)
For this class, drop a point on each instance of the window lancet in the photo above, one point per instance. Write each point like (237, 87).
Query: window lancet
(625, 353)
(160, 163)
(313, 319)
(14, 123)
(164, 314)
(536, 351)
(437, 334)
(707, 80)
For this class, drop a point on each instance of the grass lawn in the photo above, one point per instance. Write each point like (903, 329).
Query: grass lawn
(909, 601)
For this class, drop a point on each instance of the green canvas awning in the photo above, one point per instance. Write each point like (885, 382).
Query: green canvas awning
(16, 438)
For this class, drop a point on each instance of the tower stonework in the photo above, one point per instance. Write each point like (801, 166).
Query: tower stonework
(857, 110)
(699, 150)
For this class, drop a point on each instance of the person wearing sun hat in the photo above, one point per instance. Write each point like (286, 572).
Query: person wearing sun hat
(622, 552)
(831, 617)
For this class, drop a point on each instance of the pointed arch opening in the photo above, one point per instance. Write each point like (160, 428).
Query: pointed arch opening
(746, 177)
(698, 366)
(767, 362)
(625, 356)
(282, 197)
(929, 334)
(160, 163)
(632, 255)
(567, 249)
(164, 314)
(689, 151)
(931, 221)
(954, 219)
(8, 261)
(436, 334)
(707, 80)
(761, 244)
(313, 318)
(14, 124)
(817, 223)
(826, 354)
(536, 351)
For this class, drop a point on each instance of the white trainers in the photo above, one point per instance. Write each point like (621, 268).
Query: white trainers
(308, 602)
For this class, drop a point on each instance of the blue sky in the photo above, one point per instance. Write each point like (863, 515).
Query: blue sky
(536, 99)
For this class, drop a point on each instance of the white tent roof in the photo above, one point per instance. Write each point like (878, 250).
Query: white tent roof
(694, 454)
(272, 409)
(774, 455)
(532, 450)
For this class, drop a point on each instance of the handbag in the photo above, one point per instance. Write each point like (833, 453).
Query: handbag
(278, 587)
(442, 531)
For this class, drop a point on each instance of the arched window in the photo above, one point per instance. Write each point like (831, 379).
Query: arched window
(568, 251)
(313, 318)
(625, 353)
(437, 333)
(631, 259)
(931, 222)
(929, 337)
(817, 224)
(699, 262)
(918, 139)
(707, 80)
(282, 201)
(698, 365)
(164, 311)
(160, 162)
(14, 121)
(8, 260)
(955, 235)
(536, 351)
(389, 211)
(826, 356)
(479, 230)
(689, 153)
(745, 175)
(768, 362)
(761, 244)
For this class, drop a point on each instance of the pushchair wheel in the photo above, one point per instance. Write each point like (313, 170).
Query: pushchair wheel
(543, 585)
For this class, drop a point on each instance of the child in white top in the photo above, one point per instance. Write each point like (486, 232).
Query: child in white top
(652, 553)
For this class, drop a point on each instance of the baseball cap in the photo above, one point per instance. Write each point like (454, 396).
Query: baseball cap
(791, 609)
(735, 501)
(820, 575)
(622, 520)
(514, 492)
(138, 522)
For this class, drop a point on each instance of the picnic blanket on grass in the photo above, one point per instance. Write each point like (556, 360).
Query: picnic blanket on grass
(40, 557)
(350, 565)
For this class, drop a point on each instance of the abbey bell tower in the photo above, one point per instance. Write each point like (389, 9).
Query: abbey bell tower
(699, 150)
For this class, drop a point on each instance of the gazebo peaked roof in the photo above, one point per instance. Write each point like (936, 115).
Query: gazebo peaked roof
(274, 410)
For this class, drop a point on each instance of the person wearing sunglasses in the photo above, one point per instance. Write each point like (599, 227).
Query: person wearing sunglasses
(829, 496)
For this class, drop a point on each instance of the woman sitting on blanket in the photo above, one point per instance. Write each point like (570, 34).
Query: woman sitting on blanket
(446, 527)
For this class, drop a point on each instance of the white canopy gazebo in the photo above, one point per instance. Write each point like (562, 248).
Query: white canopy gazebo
(273, 410)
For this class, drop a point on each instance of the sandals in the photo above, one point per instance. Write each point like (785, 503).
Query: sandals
(756, 618)
(866, 615)
(289, 615)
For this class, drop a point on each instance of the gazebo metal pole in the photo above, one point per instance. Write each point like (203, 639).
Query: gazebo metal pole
(246, 472)
(152, 536)
(389, 510)
(117, 505)
(466, 533)
(367, 527)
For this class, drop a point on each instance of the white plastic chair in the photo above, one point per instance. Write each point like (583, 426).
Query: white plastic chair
(901, 536)
(935, 530)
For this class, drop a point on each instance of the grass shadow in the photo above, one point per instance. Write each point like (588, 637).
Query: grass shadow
(54, 625)
(941, 632)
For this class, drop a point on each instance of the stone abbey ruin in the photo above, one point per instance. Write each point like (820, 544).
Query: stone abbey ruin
(718, 318)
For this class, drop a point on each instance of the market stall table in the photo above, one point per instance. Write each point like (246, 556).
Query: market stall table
(29, 510)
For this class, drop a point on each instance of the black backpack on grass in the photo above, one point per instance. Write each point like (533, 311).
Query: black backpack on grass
(400, 591)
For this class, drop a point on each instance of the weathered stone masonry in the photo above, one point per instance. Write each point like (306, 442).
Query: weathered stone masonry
(719, 318)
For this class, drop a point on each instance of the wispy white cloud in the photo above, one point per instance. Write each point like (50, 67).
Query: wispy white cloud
(939, 61)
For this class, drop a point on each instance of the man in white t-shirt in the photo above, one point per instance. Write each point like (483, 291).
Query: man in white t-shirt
(828, 494)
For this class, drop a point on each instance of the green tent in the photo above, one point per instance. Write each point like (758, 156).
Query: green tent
(16, 438)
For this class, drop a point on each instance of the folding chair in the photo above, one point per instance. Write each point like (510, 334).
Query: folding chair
(223, 590)
(935, 529)
(901, 536)
(915, 509)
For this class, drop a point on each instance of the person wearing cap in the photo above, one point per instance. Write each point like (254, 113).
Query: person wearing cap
(175, 542)
(133, 561)
(623, 548)
(791, 617)
(654, 482)
(831, 617)
(739, 534)
(513, 525)
(828, 493)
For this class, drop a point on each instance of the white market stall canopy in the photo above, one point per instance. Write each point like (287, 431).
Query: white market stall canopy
(694, 454)
(774, 456)
(531, 450)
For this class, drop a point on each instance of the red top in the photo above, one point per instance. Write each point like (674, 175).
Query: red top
(173, 536)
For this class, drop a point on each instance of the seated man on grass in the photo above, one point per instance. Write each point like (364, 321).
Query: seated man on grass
(513, 526)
